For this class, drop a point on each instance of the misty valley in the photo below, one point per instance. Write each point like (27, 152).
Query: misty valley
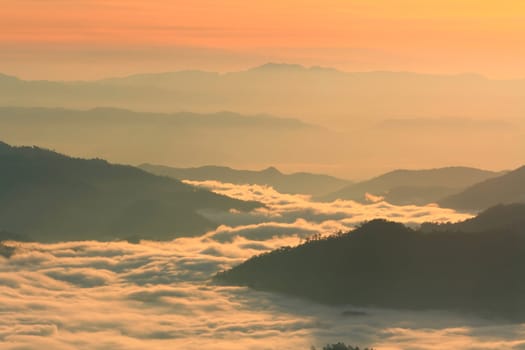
(262, 175)
(215, 255)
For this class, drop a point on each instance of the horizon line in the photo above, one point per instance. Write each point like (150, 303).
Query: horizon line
(268, 65)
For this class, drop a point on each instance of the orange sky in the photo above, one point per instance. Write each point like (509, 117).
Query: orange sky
(73, 39)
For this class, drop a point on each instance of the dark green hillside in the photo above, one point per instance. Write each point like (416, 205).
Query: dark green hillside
(49, 197)
(386, 264)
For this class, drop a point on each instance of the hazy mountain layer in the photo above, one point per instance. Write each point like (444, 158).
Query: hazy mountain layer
(384, 119)
(508, 217)
(386, 264)
(414, 186)
(318, 94)
(297, 183)
(51, 197)
(505, 189)
(182, 138)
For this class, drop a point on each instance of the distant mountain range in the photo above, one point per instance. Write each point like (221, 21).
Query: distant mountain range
(297, 183)
(385, 264)
(131, 137)
(314, 93)
(460, 188)
(505, 189)
(370, 117)
(413, 186)
(46, 196)
(116, 116)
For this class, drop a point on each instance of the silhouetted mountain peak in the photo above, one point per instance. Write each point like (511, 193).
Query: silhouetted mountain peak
(271, 171)
(304, 183)
(380, 229)
(289, 67)
(272, 66)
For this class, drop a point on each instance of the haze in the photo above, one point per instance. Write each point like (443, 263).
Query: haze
(288, 174)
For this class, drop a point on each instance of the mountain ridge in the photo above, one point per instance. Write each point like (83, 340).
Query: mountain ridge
(409, 186)
(385, 264)
(282, 66)
(505, 189)
(296, 183)
(48, 196)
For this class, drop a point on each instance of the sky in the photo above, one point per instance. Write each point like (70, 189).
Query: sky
(88, 39)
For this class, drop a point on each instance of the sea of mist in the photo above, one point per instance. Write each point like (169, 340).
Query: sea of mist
(159, 295)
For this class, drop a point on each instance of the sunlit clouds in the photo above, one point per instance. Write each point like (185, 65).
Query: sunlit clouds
(155, 295)
(304, 214)
(346, 88)
(94, 295)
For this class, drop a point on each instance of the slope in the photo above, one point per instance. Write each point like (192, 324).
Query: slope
(51, 197)
(302, 183)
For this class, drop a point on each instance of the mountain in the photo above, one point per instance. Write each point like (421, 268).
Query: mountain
(508, 217)
(374, 118)
(418, 187)
(322, 94)
(117, 116)
(129, 137)
(377, 118)
(302, 183)
(385, 264)
(505, 189)
(51, 197)
(314, 93)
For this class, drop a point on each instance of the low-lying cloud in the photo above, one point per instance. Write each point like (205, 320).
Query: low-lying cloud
(301, 212)
(158, 295)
